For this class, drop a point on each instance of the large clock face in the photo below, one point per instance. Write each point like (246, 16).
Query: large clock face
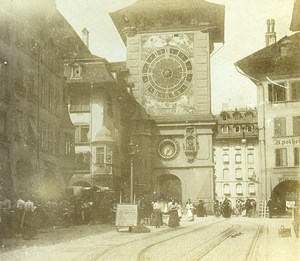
(168, 149)
(167, 73)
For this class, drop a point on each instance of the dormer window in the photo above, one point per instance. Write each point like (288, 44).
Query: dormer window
(287, 48)
(224, 129)
(237, 128)
(236, 115)
(249, 128)
(225, 117)
(249, 116)
(76, 71)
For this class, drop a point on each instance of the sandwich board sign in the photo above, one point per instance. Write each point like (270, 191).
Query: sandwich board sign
(126, 216)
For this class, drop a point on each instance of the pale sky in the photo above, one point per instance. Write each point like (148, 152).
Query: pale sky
(245, 27)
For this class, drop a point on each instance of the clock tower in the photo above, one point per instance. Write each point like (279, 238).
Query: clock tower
(169, 43)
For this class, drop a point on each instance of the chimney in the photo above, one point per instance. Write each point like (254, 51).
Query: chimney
(85, 37)
(270, 34)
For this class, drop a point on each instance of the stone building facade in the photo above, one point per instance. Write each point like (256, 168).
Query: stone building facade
(236, 156)
(168, 58)
(37, 136)
(105, 116)
(275, 70)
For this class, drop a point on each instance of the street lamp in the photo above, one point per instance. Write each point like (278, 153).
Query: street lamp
(132, 151)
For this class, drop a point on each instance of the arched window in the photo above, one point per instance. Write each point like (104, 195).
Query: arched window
(224, 129)
(237, 128)
(249, 116)
(236, 116)
(250, 128)
(224, 115)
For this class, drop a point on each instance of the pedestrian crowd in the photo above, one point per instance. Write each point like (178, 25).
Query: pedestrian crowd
(243, 207)
(152, 212)
(26, 216)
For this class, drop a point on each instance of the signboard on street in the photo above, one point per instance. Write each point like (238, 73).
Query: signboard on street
(126, 215)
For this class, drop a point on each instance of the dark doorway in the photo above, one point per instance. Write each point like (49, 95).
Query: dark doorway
(284, 196)
(170, 187)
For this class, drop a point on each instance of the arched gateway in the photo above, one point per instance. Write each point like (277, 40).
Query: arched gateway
(169, 186)
(284, 196)
(286, 190)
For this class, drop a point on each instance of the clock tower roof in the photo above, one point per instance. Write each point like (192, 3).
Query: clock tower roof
(169, 15)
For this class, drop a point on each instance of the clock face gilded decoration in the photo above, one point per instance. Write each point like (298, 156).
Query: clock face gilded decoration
(167, 73)
(168, 149)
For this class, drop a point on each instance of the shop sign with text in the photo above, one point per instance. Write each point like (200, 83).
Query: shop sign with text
(290, 141)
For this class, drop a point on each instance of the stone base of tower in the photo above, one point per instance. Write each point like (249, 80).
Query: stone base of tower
(186, 183)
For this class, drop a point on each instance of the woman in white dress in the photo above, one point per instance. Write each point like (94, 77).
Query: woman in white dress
(190, 208)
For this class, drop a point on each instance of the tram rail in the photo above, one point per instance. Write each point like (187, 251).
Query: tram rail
(94, 255)
(196, 253)
(250, 251)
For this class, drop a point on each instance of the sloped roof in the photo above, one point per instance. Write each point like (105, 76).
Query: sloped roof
(93, 71)
(67, 39)
(269, 61)
(154, 15)
(295, 23)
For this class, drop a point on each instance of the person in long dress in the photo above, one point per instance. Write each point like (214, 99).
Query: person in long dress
(190, 210)
(201, 211)
(179, 210)
(173, 218)
(157, 214)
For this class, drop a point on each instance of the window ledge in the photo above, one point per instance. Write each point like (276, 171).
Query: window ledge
(81, 111)
(80, 143)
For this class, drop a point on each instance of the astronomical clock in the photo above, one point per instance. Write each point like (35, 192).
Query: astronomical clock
(167, 72)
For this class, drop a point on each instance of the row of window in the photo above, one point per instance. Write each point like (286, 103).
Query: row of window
(81, 102)
(237, 128)
(238, 173)
(248, 116)
(50, 139)
(104, 158)
(281, 157)
(238, 189)
(280, 129)
(283, 92)
(238, 158)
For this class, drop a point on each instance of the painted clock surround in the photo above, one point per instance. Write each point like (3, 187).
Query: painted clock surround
(167, 72)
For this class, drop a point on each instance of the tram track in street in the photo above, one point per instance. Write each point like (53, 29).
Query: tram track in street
(251, 249)
(94, 254)
(141, 255)
(204, 249)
